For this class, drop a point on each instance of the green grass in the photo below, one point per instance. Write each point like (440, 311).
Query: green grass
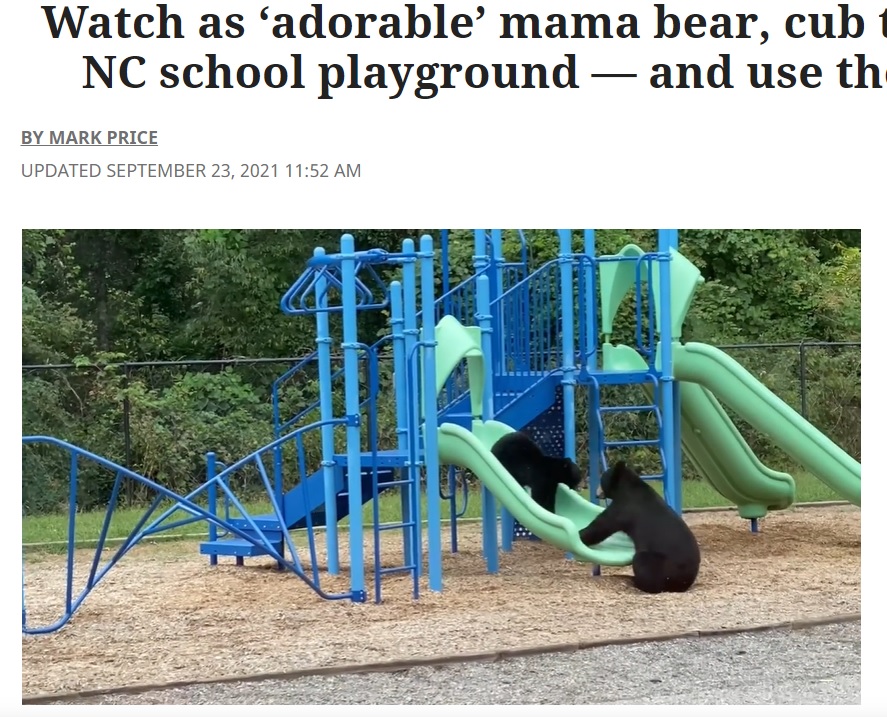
(700, 494)
(88, 525)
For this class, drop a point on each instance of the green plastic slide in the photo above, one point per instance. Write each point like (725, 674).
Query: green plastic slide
(725, 378)
(471, 450)
(714, 445)
(709, 437)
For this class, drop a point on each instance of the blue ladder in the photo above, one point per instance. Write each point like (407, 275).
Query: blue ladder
(653, 408)
(410, 525)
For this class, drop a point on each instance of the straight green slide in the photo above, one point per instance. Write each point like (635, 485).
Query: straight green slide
(471, 450)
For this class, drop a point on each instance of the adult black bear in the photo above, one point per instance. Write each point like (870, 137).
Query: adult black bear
(530, 467)
(666, 555)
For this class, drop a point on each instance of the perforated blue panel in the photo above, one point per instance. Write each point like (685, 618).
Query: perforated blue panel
(547, 430)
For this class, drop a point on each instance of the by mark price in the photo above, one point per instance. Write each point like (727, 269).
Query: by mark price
(90, 138)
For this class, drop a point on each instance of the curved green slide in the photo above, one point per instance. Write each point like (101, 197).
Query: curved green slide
(709, 437)
(471, 449)
(724, 377)
(715, 446)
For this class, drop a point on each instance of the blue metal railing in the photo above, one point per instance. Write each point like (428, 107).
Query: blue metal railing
(280, 382)
(530, 328)
(459, 301)
(185, 503)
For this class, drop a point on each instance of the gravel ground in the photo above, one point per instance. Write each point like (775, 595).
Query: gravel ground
(819, 665)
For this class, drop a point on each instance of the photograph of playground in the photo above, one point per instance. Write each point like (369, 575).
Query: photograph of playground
(284, 439)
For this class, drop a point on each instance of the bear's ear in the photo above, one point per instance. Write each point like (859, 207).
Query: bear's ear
(608, 481)
(620, 469)
(573, 473)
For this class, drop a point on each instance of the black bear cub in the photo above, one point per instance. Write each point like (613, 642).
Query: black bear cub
(530, 467)
(666, 552)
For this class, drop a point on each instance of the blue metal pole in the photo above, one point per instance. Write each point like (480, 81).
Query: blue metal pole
(593, 364)
(498, 358)
(488, 500)
(592, 351)
(670, 418)
(324, 366)
(351, 348)
(479, 260)
(568, 348)
(444, 261)
(591, 301)
(429, 374)
(480, 250)
(212, 502)
(671, 236)
(401, 396)
(397, 325)
(497, 277)
(410, 500)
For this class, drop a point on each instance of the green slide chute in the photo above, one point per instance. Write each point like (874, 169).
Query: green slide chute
(471, 449)
(708, 377)
(717, 449)
(723, 377)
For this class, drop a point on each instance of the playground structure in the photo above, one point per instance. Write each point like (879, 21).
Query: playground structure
(504, 350)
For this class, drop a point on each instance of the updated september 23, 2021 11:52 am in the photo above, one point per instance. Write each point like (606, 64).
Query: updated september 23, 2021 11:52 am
(191, 170)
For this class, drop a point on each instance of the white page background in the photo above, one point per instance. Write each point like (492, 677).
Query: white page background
(613, 153)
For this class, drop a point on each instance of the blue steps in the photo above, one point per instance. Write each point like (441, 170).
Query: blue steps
(294, 502)
(521, 403)
(234, 547)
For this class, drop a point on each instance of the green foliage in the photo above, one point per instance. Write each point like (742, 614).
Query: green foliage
(236, 281)
(760, 285)
(174, 427)
(840, 298)
(51, 332)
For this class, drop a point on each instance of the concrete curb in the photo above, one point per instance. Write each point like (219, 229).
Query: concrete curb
(440, 661)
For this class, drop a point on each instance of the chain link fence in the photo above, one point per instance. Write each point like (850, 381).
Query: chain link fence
(160, 418)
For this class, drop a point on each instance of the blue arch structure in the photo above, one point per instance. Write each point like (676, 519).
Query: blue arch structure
(534, 338)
